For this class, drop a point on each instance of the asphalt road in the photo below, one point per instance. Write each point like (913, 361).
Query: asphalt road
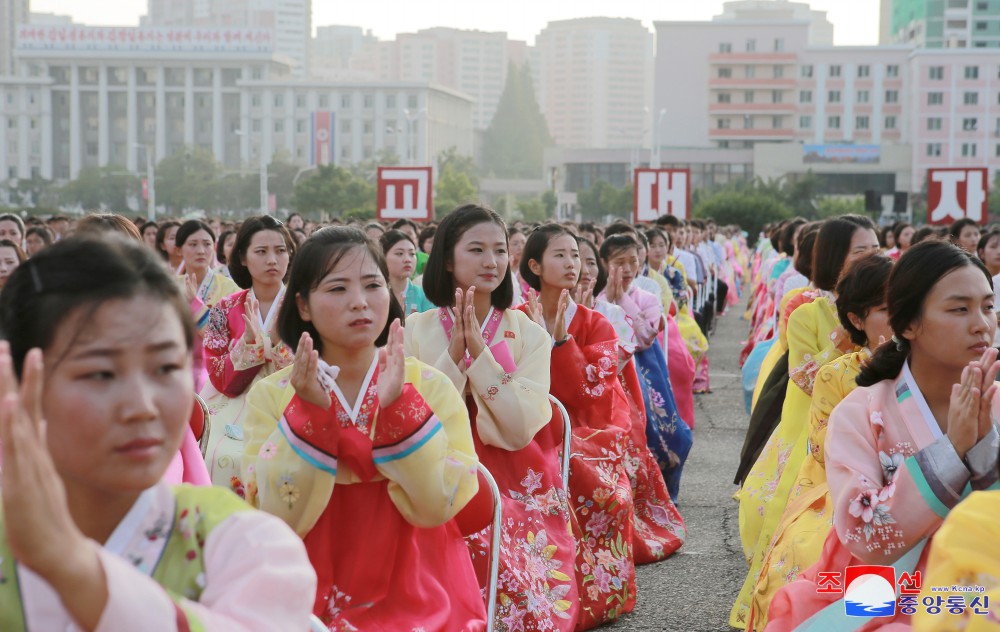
(693, 590)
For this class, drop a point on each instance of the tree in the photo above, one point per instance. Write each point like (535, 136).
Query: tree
(459, 164)
(334, 190)
(98, 188)
(452, 190)
(603, 200)
(750, 210)
(533, 210)
(189, 179)
(517, 136)
(834, 206)
(280, 177)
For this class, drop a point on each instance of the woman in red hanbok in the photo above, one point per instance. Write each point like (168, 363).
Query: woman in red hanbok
(499, 358)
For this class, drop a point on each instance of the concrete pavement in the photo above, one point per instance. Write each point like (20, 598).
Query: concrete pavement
(693, 590)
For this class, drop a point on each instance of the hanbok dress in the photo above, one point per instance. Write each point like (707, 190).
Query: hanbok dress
(214, 287)
(182, 558)
(893, 478)
(233, 367)
(667, 435)
(506, 391)
(600, 493)
(372, 491)
(680, 364)
(415, 300)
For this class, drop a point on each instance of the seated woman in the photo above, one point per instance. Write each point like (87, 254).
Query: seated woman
(367, 454)
(100, 337)
(916, 438)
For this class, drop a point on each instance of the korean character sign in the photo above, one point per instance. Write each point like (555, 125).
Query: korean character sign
(661, 192)
(954, 194)
(405, 192)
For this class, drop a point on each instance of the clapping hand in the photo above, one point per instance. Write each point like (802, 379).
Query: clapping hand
(305, 374)
(391, 366)
(971, 405)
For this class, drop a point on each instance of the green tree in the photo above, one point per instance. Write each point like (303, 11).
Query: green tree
(332, 189)
(459, 164)
(102, 188)
(549, 202)
(34, 192)
(189, 179)
(533, 210)
(280, 177)
(604, 200)
(750, 210)
(517, 136)
(453, 189)
(834, 206)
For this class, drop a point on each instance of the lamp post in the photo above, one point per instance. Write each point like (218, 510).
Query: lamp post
(656, 139)
(264, 206)
(150, 184)
(411, 117)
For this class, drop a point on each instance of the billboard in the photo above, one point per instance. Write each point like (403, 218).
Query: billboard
(842, 154)
(321, 138)
(405, 193)
(956, 193)
(661, 192)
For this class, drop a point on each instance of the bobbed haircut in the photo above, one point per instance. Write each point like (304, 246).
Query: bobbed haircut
(42, 232)
(898, 229)
(392, 237)
(161, 235)
(11, 217)
(611, 247)
(399, 223)
(620, 228)
(955, 230)
(862, 287)
(534, 249)
(775, 235)
(984, 240)
(319, 255)
(81, 272)
(787, 239)
(807, 242)
(189, 228)
(602, 272)
(832, 246)
(250, 227)
(97, 223)
(913, 278)
(668, 220)
(439, 283)
(18, 251)
(658, 233)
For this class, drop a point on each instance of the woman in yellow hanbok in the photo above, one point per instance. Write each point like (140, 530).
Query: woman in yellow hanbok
(799, 537)
(814, 338)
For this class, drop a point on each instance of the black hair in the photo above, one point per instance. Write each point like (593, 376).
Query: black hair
(220, 247)
(321, 253)
(81, 272)
(775, 235)
(862, 287)
(534, 249)
(620, 228)
(913, 278)
(392, 237)
(250, 227)
(42, 232)
(439, 283)
(955, 230)
(984, 240)
(145, 225)
(161, 234)
(425, 234)
(787, 238)
(807, 242)
(399, 223)
(189, 228)
(832, 246)
(610, 247)
(668, 220)
(923, 233)
(898, 229)
(11, 217)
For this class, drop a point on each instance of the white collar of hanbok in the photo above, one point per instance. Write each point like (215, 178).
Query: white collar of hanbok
(918, 398)
(568, 316)
(335, 389)
(272, 313)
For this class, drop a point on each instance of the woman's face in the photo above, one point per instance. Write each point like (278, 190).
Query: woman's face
(8, 263)
(990, 254)
(642, 255)
(969, 238)
(875, 324)
(169, 238)
(957, 322)
(401, 259)
(374, 233)
(560, 265)
(480, 258)
(10, 230)
(905, 236)
(588, 266)
(658, 252)
(117, 380)
(267, 257)
(864, 242)
(295, 221)
(227, 246)
(34, 244)
(149, 236)
(197, 251)
(890, 239)
(517, 242)
(350, 305)
(627, 260)
(427, 245)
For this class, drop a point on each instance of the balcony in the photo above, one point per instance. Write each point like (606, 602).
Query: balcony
(758, 108)
(742, 134)
(767, 83)
(753, 58)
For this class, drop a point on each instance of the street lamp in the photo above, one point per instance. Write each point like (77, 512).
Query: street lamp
(150, 183)
(656, 135)
(411, 116)
(264, 206)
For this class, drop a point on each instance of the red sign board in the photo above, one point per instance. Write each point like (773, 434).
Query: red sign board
(661, 192)
(405, 193)
(145, 189)
(953, 194)
(322, 138)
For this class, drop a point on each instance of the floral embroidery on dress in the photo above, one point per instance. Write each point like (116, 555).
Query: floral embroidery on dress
(287, 491)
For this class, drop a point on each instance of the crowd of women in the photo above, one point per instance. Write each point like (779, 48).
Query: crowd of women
(353, 379)
(869, 374)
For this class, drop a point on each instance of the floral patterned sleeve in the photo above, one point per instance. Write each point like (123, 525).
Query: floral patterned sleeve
(804, 358)
(587, 369)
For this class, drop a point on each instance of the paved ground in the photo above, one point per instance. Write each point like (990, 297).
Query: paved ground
(693, 590)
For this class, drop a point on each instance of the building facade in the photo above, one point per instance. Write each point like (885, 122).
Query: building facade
(942, 23)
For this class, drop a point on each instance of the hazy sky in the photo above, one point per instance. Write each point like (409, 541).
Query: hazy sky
(855, 21)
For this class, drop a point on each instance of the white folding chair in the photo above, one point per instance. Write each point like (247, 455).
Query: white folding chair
(206, 431)
(494, 579)
(567, 438)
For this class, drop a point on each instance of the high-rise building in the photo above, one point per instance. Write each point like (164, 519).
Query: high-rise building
(291, 21)
(335, 46)
(942, 23)
(12, 13)
(594, 81)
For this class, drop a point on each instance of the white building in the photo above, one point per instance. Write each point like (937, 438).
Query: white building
(12, 13)
(92, 96)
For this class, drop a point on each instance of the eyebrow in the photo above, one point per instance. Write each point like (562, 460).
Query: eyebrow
(345, 279)
(110, 352)
(963, 298)
(482, 243)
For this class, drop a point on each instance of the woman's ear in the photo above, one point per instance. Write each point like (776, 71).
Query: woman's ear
(303, 308)
(857, 322)
(535, 267)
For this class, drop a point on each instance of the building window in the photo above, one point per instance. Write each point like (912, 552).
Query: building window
(807, 72)
(936, 72)
(861, 122)
(255, 125)
(345, 126)
(722, 123)
(367, 127)
(864, 71)
(369, 101)
(748, 96)
(835, 71)
(749, 72)
(279, 100)
(747, 121)
(776, 96)
(300, 126)
(892, 71)
(300, 101)
(324, 101)
(779, 45)
(805, 122)
(968, 150)
(892, 96)
(411, 101)
(345, 102)
(890, 122)
(725, 73)
(255, 101)
(779, 72)
(972, 72)
(390, 102)
(751, 45)
(725, 47)
(998, 150)
(934, 124)
(933, 149)
(777, 122)
(971, 98)
(833, 122)
(833, 96)
(805, 96)
(724, 97)
(970, 124)
(862, 96)
(935, 98)
(279, 126)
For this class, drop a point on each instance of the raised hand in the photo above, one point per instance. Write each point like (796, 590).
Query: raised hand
(990, 367)
(964, 409)
(559, 334)
(305, 374)
(456, 347)
(251, 333)
(391, 366)
(190, 287)
(535, 311)
(585, 295)
(614, 288)
(473, 329)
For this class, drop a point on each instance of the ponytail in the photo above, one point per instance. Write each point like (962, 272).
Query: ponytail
(886, 363)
